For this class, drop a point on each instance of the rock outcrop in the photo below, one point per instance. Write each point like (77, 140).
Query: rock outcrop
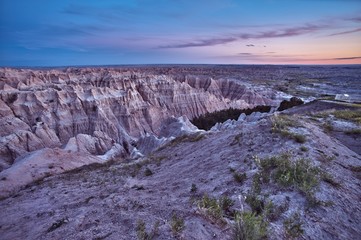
(91, 109)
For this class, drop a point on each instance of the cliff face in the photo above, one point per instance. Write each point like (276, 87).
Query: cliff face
(45, 108)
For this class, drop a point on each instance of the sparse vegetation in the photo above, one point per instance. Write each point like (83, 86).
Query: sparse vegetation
(299, 138)
(256, 202)
(226, 203)
(326, 158)
(216, 208)
(293, 226)
(142, 233)
(327, 126)
(281, 125)
(283, 122)
(272, 212)
(177, 224)
(355, 131)
(249, 226)
(195, 137)
(349, 115)
(211, 206)
(157, 159)
(287, 173)
(239, 177)
(326, 177)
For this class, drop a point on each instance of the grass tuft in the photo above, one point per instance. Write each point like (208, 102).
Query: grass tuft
(281, 125)
(142, 233)
(238, 177)
(293, 226)
(287, 173)
(216, 208)
(177, 224)
(249, 226)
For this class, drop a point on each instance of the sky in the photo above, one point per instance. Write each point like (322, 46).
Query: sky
(111, 32)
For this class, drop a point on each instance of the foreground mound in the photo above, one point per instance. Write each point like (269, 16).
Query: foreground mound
(279, 177)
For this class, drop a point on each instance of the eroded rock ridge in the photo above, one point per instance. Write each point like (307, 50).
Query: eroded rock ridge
(92, 109)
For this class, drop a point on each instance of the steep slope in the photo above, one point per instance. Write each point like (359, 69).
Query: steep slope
(111, 201)
(46, 108)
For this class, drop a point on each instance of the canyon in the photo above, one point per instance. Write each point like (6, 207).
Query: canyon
(95, 149)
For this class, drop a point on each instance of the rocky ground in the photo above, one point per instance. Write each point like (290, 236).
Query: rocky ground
(281, 176)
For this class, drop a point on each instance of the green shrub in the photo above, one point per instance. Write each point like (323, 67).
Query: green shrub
(216, 208)
(248, 226)
(350, 115)
(293, 226)
(226, 203)
(239, 177)
(299, 138)
(177, 224)
(283, 122)
(256, 184)
(256, 203)
(253, 197)
(212, 207)
(299, 174)
(272, 212)
(142, 233)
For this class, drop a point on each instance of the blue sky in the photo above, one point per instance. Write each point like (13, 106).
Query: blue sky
(62, 33)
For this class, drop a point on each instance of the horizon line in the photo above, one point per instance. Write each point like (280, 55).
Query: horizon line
(184, 64)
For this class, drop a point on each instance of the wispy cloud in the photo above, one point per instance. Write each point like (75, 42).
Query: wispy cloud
(122, 12)
(202, 43)
(280, 33)
(346, 32)
(346, 58)
(354, 19)
(272, 57)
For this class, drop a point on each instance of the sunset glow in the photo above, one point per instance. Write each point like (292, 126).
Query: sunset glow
(59, 33)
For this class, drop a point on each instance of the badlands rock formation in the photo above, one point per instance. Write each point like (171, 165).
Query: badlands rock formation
(91, 111)
(297, 173)
(47, 108)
